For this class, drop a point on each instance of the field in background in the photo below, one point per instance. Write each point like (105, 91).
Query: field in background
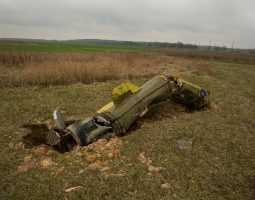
(148, 165)
(48, 47)
(7, 46)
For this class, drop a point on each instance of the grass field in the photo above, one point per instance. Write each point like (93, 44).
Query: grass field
(145, 164)
(21, 47)
(53, 47)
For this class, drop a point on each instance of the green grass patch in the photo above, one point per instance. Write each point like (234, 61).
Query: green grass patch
(51, 47)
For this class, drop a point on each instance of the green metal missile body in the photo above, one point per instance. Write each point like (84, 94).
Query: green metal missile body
(129, 107)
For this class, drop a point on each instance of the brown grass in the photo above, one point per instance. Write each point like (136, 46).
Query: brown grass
(236, 57)
(23, 69)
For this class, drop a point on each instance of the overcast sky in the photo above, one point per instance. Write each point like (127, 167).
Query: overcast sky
(188, 21)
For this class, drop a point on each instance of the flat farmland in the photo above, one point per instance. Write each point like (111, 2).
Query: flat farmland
(145, 163)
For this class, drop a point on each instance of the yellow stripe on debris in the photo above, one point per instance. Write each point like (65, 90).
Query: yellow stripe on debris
(107, 107)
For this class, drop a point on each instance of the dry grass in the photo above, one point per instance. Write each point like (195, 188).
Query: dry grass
(24, 69)
(234, 57)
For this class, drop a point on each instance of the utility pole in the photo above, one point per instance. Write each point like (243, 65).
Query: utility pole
(210, 44)
(233, 45)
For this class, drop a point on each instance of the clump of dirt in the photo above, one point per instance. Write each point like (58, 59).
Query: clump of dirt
(27, 163)
(101, 155)
(148, 162)
(102, 147)
(40, 157)
(47, 162)
(43, 150)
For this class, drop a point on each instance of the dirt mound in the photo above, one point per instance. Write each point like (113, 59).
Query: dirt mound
(148, 162)
(103, 147)
(101, 156)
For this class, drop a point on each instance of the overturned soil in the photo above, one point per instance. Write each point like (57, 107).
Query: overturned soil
(36, 133)
(100, 156)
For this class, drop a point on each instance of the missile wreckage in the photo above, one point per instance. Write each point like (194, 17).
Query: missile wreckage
(129, 103)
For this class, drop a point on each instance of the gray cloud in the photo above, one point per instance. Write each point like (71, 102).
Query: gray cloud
(197, 21)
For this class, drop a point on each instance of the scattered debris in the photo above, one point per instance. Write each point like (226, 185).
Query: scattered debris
(184, 144)
(109, 148)
(47, 162)
(37, 159)
(101, 155)
(166, 185)
(148, 162)
(28, 163)
(50, 152)
(98, 165)
(40, 149)
(57, 171)
(27, 158)
(72, 189)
